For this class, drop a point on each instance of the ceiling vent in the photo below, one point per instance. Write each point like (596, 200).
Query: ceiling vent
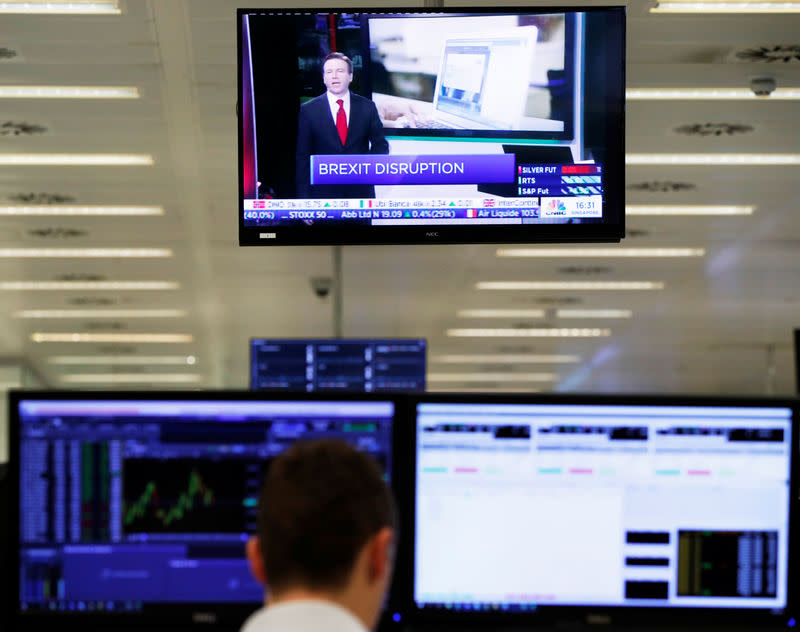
(662, 186)
(7, 53)
(714, 129)
(80, 276)
(94, 301)
(41, 198)
(12, 128)
(585, 270)
(103, 325)
(781, 53)
(116, 349)
(57, 233)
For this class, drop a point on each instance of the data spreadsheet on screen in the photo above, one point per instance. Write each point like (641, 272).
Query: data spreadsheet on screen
(125, 504)
(519, 506)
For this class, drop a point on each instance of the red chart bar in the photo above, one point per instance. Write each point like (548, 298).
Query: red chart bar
(466, 470)
(579, 169)
(699, 472)
(581, 470)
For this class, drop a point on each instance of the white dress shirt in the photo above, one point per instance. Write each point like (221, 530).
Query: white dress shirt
(307, 615)
(332, 99)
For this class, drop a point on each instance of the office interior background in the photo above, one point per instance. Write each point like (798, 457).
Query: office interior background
(128, 276)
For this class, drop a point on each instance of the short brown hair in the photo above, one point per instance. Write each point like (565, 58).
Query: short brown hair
(320, 503)
(341, 56)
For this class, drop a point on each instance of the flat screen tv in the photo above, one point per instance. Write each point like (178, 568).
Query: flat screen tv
(485, 125)
(131, 510)
(337, 365)
(601, 509)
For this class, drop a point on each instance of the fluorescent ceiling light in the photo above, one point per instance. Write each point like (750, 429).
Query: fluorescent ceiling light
(506, 358)
(23, 160)
(600, 252)
(713, 159)
(708, 94)
(501, 313)
(570, 285)
(687, 209)
(64, 210)
(84, 252)
(88, 285)
(133, 378)
(532, 332)
(100, 313)
(122, 360)
(78, 7)
(82, 337)
(491, 377)
(68, 92)
(726, 7)
(593, 313)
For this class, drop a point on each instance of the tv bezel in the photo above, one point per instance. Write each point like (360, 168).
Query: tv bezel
(221, 615)
(255, 339)
(577, 615)
(610, 230)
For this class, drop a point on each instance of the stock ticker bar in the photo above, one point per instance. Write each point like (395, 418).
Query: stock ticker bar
(543, 192)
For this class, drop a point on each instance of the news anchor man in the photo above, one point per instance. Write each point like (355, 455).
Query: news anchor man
(337, 122)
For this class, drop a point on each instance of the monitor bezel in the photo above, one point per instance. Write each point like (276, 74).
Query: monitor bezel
(166, 615)
(611, 230)
(253, 340)
(797, 360)
(593, 615)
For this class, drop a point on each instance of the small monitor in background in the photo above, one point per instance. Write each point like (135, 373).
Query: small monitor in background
(337, 365)
(135, 508)
(614, 504)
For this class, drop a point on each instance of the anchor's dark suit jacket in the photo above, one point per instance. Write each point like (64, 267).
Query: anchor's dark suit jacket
(316, 134)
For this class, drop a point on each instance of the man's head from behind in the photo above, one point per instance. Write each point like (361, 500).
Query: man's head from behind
(337, 73)
(326, 527)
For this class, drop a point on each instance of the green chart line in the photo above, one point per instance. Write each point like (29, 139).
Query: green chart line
(186, 501)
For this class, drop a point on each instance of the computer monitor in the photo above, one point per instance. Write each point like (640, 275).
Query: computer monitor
(134, 508)
(602, 506)
(342, 365)
(458, 125)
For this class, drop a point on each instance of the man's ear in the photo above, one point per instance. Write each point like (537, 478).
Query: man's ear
(256, 559)
(380, 554)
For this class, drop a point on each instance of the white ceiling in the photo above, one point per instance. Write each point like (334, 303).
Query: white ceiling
(723, 323)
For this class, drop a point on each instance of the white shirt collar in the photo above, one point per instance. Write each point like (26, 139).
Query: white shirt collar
(332, 99)
(307, 615)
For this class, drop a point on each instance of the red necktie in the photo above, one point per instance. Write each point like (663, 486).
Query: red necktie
(341, 121)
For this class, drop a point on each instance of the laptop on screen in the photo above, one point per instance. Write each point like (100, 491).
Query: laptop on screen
(483, 80)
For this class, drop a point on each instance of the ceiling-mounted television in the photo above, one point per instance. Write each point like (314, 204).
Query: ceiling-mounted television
(341, 365)
(486, 125)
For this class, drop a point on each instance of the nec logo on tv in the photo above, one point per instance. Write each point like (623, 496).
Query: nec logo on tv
(431, 234)
(204, 617)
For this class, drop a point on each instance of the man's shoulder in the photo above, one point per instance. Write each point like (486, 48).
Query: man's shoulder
(315, 102)
(357, 98)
